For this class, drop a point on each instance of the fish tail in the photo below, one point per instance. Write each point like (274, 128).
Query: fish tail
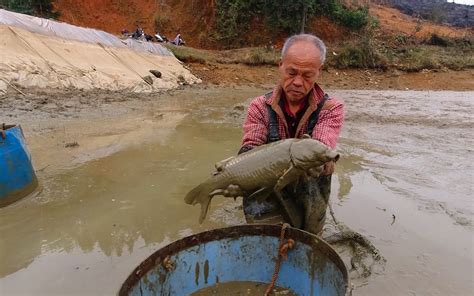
(200, 194)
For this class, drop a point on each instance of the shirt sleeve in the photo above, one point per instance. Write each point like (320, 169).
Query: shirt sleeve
(330, 124)
(255, 124)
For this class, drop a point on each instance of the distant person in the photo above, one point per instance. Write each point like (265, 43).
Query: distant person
(138, 33)
(125, 32)
(148, 37)
(178, 40)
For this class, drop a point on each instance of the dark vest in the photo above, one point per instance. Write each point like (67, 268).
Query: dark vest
(273, 134)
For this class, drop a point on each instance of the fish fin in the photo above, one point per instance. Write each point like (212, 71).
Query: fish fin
(292, 214)
(200, 194)
(193, 196)
(204, 209)
(288, 176)
(261, 194)
(217, 192)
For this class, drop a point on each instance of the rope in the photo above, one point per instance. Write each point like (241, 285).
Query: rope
(283, 249)
(118, 59)
(332, 214)
(3, 127)
(33, 49)
(7, 82)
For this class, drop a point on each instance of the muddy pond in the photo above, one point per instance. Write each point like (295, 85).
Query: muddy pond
(404, 180)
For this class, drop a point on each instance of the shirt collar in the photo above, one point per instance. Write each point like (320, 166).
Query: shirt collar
(286, 105)
(314, 96)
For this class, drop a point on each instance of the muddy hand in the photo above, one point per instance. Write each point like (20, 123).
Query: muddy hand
(316, 171)
(231, 191)
(329, 168)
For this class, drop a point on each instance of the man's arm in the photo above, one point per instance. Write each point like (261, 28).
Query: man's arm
(255, 125)
(329, 128)
(330, 123)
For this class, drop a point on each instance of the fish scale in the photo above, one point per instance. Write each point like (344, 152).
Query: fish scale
(260, 169)
(250, 171)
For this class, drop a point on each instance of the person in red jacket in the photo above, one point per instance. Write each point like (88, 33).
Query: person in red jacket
(296, 106)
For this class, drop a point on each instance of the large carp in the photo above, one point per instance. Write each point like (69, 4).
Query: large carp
(261, 171)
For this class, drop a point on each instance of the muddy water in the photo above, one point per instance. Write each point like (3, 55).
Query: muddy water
(241, 289)
(405, 181)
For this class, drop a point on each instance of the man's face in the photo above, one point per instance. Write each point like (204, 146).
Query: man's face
(299, 69)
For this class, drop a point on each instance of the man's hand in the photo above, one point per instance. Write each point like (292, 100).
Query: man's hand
(328, 168)
(231, 191)
(316, 171)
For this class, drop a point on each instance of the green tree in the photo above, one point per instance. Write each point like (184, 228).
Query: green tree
(289, 16)
(41, 8)
(234, 16)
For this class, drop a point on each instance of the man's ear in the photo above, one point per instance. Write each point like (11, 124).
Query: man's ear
(280, 62)
(320, 71)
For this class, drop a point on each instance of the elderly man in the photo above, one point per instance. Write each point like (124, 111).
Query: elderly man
(296, 106)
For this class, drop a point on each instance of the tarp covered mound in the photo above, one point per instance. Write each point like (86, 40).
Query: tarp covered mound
(71, 32)
(43, 53)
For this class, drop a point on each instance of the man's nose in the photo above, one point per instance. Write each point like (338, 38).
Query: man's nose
(298, 81)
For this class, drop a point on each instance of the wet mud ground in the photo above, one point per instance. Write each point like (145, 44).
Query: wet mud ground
(114, 169)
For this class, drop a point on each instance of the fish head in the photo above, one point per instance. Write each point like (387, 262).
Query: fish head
(309, 153)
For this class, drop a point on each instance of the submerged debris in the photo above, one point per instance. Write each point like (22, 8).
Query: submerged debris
(71, 145)
(364, 256)
(148, 79)
(168, 264)
(182, 80)
(156, 73)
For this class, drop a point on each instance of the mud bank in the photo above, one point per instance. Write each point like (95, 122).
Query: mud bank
(348, 79)
(404, 181)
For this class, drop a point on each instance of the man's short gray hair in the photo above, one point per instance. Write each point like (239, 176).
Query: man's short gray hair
(305, 37)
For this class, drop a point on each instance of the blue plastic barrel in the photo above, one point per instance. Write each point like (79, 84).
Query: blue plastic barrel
(245, 253)
(17, 176)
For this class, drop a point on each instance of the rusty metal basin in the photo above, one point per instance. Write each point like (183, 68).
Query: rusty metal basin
(239, 253)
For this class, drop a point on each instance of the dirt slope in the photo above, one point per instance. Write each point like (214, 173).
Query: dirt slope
(195, 19)
(394, 22)
(192, 18)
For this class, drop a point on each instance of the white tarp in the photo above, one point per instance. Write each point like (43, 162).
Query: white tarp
(71, 32)
(36, 52)
(146, 46)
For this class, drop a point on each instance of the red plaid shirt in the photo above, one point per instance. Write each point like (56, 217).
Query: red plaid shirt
(327, 128)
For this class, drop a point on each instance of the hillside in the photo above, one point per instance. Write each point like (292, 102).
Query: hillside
(193, 18)
(437, 10)
(196, 21)
(394, 22)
